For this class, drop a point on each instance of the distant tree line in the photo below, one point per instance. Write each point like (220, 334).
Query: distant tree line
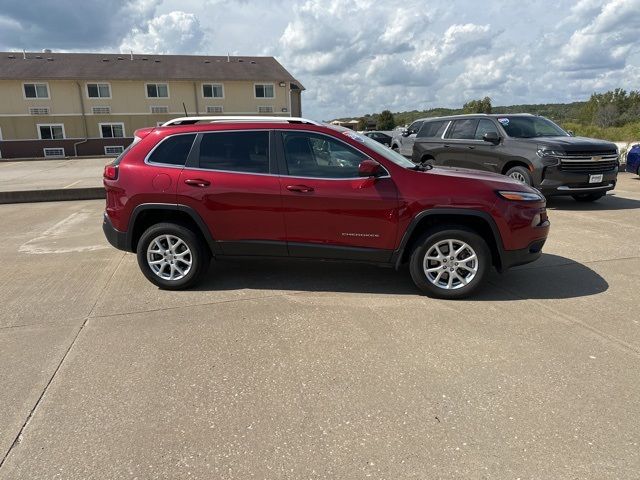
(613, 115)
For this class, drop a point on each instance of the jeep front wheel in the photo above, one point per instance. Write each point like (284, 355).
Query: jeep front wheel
(172, 256)
(450, 263)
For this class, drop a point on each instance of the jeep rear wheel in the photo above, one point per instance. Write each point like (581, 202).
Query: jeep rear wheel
(172, 256)
(450, 263)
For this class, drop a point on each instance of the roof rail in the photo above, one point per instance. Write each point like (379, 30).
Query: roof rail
(236, 118)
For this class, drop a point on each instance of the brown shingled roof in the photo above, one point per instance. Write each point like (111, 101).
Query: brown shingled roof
(99, 66)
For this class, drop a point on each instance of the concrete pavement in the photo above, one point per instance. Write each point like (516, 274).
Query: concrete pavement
(319, 370)
(52, 180)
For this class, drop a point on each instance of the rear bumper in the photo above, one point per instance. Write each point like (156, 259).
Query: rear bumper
(558, 182)
(115, 237)
(513, 258)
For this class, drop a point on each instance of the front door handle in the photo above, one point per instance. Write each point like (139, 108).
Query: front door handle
(471, 147)
(447, 146)
(197, 182)
(299, 188)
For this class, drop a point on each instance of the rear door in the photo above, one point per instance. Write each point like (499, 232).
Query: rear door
(330, 211)
(459, 142)
(231, 183)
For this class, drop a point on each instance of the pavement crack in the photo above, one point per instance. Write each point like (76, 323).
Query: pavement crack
(18, 439)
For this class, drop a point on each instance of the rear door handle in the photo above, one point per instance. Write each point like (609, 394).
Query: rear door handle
(197, 182)
(299, 188)
(471, 147)
(447, 146)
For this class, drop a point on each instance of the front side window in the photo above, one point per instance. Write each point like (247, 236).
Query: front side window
(464, 129)
(319, 156)
(246, 152)
(432, 129)
(212, 90)
(414, 127)
(264, 90)
(112, 130)
(98, 90)
(485, 126)
(157, 90)
(51, 132)
(36, 90)
(173, 150)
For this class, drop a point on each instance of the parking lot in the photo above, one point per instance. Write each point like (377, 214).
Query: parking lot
(319, 370)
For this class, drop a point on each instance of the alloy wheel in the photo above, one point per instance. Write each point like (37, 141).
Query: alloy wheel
(169, 257)
(450, 264)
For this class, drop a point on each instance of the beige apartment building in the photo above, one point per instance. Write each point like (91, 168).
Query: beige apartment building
(78, 104)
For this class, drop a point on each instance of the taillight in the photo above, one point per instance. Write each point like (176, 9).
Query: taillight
(111, 172)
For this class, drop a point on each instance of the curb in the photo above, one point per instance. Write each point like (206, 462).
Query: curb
(56, 195)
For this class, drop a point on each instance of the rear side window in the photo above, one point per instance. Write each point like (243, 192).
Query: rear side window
(432, 129)
(173, 150)
(246, 152)
(464, 129)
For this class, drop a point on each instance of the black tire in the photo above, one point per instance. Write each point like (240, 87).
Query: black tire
(198, 255)
(521, 174)
(587, 197)
(456, 234)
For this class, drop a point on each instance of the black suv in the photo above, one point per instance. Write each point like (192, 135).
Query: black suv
(528, 148)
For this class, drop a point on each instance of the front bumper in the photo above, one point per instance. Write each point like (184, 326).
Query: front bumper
(115, 237)
(558, 182)
(513, 258)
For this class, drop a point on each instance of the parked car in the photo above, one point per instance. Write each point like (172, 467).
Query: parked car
(379, 137)
(633, 159)
(290, 187)
(527, 148)
(403, 138)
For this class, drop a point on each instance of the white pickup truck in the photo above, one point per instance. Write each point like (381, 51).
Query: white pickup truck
(403, 139)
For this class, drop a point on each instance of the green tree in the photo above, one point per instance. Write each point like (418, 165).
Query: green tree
(362, 124)
(478, 106)
(385, 121)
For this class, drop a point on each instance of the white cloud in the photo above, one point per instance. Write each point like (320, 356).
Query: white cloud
(173, 32)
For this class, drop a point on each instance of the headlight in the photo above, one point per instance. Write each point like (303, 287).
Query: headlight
(549, 157)
(521, 196)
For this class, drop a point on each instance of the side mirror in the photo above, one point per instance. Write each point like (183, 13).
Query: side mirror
(405, 132)
(491, 137)
(369, 168)
(571, 133)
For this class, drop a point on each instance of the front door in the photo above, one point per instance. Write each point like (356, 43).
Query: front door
(230, 182)
(330, 211)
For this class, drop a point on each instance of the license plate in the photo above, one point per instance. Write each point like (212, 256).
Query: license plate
(595, 178)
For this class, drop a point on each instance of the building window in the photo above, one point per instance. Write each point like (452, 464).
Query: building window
(111, 130)
(51, 131)
(157, 90)
(212, 90)
(98, 90)
(36, 90)
(264, 90)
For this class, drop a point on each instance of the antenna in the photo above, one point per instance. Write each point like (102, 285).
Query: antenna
(228, 57)
(131, 55)
(24, 54)
(185, 109)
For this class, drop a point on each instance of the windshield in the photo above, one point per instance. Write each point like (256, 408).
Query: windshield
(376, 147)
(529, 127)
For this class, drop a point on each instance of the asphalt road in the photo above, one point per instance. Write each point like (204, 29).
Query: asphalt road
(316, 370)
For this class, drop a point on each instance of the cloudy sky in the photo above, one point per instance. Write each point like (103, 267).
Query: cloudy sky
(363, 56)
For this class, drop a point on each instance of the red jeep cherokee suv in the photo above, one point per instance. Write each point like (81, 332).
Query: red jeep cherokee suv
(199, 187)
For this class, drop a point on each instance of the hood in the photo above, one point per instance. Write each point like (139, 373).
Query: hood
(496, 179)
(576, 144)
